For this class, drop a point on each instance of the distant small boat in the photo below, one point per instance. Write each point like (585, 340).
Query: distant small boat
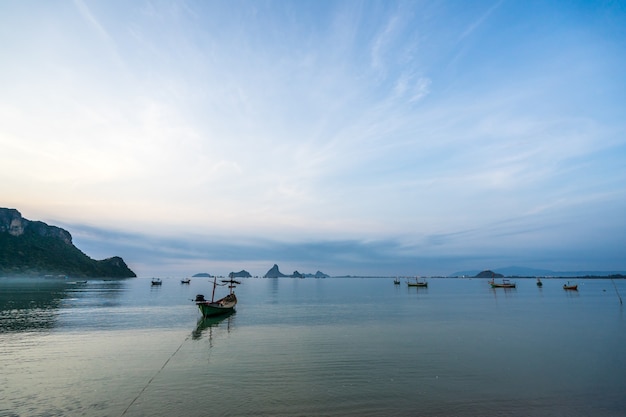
(568, 286)
(504, 284)
(156, 281)
(417, 283)
(539, 283)
(221, 306)
(396, 281)
(185, 281)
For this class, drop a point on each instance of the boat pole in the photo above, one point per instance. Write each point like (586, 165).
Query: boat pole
(617, 292)
(214, 285)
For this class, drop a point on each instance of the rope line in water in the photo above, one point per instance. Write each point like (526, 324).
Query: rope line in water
(618, 296)
(154, 376)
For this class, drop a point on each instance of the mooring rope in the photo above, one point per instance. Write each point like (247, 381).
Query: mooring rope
(618, 296)
(154, 376)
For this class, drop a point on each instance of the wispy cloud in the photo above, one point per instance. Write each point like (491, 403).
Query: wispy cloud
(480, 21)
(104, 36)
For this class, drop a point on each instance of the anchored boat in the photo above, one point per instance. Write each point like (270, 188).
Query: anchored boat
(418, 283)
(504, 284)
(221, 306)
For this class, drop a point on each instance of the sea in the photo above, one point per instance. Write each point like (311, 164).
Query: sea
(312, 347)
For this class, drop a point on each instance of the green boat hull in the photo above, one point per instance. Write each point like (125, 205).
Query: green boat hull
(216, 308)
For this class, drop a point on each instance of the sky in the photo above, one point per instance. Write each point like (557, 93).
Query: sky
(363, 138)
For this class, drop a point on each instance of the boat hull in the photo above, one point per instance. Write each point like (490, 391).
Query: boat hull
(216, 308)
(504, 284)
(570, 287)
(417, 284)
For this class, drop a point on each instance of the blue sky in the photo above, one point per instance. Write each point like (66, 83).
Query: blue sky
(364, 138)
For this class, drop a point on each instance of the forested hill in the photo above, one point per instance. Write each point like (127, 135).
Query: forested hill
(34, 248)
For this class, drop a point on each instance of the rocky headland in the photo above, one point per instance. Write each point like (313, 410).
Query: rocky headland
(33, 248)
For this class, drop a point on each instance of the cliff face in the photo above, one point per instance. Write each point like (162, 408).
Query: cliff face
(12, 222)
(35, 248)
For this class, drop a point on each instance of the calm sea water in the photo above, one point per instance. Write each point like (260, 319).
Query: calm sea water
(312, 347)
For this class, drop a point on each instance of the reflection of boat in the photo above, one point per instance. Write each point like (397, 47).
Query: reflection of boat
(568, 286)
(185, 281)
(221, 306)
(156, 281)
(209, 322)
(539, 283)
(504, 284)
(417, 283)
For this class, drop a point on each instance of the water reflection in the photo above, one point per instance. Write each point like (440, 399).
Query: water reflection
(207, 324)
(29, 304)
(32, 304)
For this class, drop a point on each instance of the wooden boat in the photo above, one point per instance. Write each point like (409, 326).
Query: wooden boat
(539, 283)
(417, 283)
(221, 306)
(185, 281)
(156, 281)
(396, 281)
(568, 286)
(504, 284)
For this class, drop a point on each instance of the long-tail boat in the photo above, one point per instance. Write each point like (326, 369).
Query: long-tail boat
(504, 284)
(568, 286)
(417, 283)
(221, 306)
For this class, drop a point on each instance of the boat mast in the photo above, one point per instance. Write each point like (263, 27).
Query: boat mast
(214, 285)
(231, 284)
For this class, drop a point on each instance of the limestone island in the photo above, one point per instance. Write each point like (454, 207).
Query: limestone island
(33, 248)
(274, 272)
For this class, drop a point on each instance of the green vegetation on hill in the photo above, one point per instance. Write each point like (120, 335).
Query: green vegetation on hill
(31, 254)
(34, 248)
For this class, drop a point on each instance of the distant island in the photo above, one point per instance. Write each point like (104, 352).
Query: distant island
(240, 274)
(274, 272)
(524, 272)
(33, 248)
(488, 274)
